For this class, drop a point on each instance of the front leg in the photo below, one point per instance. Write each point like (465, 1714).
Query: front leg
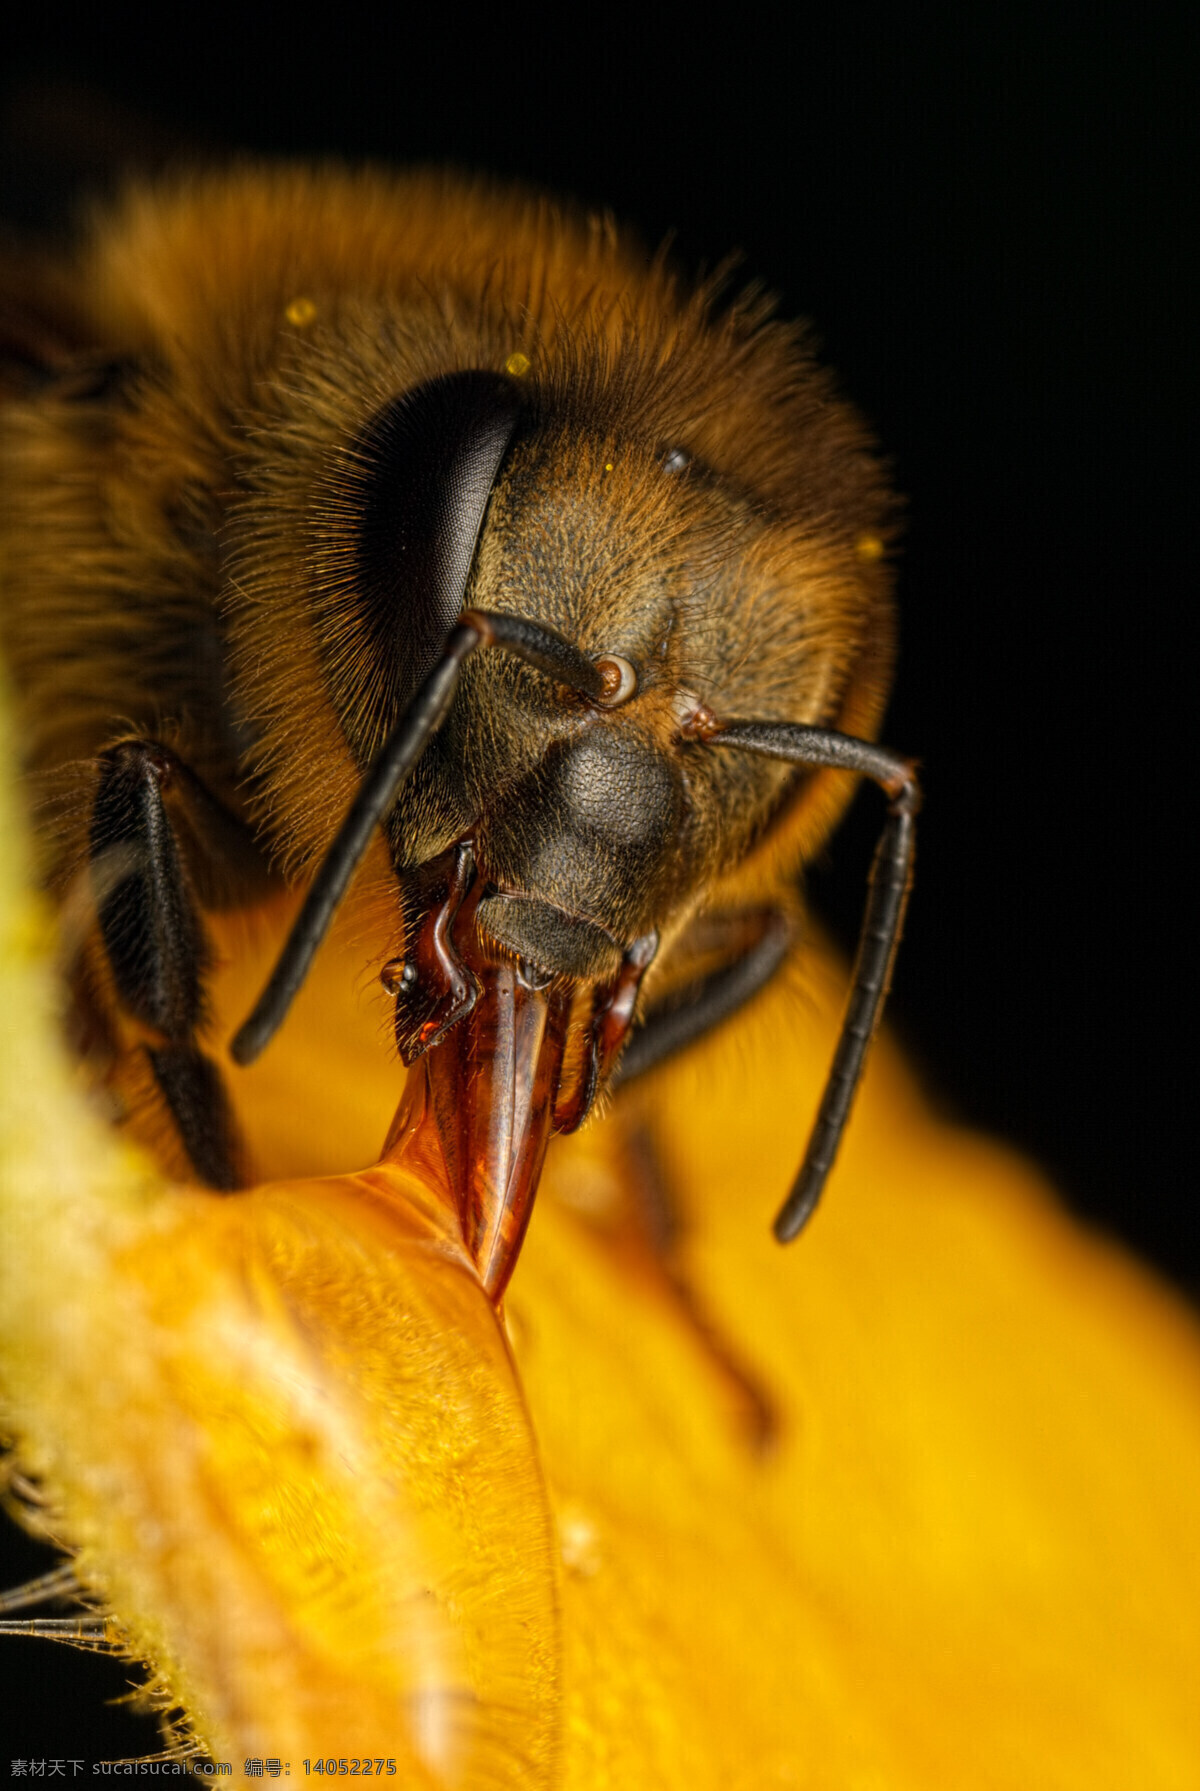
(154, 939)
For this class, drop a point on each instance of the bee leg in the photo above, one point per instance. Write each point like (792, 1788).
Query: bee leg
(656, 1215)
(744, 950)
(154, 939)
(737, 954)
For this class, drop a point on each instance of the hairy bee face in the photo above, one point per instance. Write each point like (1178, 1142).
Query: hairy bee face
(592, 827)
(299, 428)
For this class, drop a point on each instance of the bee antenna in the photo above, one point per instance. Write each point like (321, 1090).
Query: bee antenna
(879, 936)
(540, 647)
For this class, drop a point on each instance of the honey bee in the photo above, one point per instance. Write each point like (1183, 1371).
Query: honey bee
(342, 505)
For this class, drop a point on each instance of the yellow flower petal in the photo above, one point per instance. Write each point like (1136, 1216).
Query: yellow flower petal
(972, 1559)
(283, 1432)
(286, 1433)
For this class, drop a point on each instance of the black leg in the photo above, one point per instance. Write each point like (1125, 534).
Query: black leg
(154, 939)
(745, 949)
(199, 1105)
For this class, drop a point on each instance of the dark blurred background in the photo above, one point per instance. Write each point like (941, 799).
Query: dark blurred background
(988, 213)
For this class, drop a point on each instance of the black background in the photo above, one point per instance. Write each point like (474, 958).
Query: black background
(988, 214)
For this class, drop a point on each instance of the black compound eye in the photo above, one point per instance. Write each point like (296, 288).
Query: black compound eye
(418, 480)
(434, 454)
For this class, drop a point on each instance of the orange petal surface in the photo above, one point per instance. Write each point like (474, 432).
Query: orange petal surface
(287, 1434)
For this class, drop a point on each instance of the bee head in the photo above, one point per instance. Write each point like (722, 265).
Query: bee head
(593, 822)
(557, 808)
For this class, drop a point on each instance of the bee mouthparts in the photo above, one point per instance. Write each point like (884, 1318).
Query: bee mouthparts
(499, 1059)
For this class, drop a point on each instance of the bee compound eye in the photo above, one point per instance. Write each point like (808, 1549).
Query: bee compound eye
(620, 680)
